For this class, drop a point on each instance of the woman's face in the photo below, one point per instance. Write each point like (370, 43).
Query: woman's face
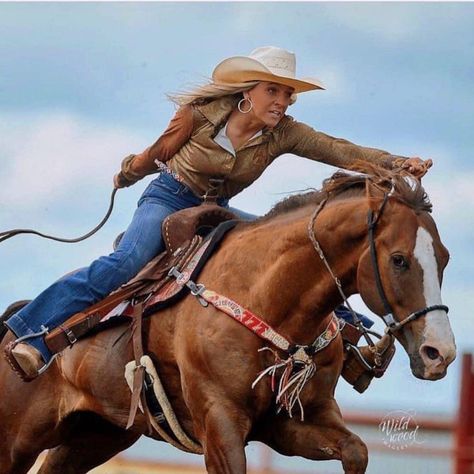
(270, 101)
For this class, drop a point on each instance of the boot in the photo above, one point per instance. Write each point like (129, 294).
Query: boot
(24, 359)
(357, 374)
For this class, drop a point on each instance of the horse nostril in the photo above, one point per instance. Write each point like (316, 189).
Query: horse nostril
(432, 353)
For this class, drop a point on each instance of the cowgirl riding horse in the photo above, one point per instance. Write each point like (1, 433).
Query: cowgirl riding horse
(222, 138)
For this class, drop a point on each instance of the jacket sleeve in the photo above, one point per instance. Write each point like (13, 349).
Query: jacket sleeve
(135, 167)
(303, 140)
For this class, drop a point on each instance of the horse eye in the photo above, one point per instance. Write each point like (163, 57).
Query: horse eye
(399, 261)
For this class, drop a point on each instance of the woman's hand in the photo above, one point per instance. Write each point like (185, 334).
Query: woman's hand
(120, 181)
(416, 166)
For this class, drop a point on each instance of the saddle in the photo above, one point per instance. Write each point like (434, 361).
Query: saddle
(182, 226)
(190, 236)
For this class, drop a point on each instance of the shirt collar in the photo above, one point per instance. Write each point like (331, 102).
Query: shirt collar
(223, 140)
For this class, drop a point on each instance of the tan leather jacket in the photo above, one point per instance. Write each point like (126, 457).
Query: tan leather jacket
(188, 148)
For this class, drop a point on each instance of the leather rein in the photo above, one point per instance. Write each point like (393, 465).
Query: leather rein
(392, 325)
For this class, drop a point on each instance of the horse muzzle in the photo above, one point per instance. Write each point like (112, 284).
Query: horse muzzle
(431, 361)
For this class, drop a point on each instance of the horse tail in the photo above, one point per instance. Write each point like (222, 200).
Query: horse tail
(10, 311)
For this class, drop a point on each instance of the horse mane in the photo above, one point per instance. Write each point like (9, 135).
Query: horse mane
(401, 185)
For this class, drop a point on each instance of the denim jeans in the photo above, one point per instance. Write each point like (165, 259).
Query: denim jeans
(141, 242)
(344, 313)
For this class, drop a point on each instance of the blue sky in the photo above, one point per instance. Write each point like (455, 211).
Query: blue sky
(83, 84)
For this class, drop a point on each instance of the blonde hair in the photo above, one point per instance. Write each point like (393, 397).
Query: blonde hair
(207, 92)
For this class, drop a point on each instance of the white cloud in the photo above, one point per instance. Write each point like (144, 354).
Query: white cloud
(339, 89)
(460, 197)
(287, 175)
(43, 158)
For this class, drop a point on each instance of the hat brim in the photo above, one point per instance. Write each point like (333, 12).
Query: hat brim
(241, 69)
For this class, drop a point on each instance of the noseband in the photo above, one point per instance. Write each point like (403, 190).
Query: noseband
(388, 318)
(392, 325)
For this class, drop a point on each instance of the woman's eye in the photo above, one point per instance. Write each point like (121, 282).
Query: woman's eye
(399, 261)
(271, 90)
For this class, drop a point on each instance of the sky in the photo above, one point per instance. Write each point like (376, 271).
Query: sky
(82, 85)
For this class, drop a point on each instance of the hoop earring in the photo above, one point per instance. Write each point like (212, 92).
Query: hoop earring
(239, 105)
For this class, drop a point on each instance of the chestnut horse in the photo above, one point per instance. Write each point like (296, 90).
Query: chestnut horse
(78, 408)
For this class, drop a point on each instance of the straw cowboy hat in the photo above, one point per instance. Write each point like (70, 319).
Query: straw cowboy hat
(267, 63)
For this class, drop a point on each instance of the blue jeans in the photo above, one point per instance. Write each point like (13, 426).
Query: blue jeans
(141, 242)
(344, 313)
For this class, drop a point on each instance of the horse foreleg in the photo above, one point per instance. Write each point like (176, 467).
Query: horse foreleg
(90, 444)
(223, 436)
(322, 436)
(353, 454)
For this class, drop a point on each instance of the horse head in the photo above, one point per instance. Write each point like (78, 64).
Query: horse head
(399, 275)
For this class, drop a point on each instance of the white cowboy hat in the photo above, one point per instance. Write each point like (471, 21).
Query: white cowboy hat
(267, 63)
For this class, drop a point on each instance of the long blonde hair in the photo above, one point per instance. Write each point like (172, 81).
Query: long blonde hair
(209, 91)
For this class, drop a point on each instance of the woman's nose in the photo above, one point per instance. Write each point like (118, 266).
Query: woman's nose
(280, 101)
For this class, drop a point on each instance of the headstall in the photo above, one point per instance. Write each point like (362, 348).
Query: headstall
(392, 325)
(388, 318)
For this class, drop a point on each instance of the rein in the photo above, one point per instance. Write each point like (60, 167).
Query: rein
(12, 233)
(311, 234)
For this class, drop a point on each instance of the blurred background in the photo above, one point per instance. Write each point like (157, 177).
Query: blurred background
(84, 84)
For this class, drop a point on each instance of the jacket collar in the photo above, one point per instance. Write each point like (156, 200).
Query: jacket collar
(218, 111)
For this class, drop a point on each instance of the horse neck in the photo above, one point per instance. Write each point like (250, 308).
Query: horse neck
(285, 280)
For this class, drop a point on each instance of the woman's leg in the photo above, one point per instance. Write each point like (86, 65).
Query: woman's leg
(141, 242)
(344, 313)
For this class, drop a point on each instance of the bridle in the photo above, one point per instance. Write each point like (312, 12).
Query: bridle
(392, 325)
(388, 318)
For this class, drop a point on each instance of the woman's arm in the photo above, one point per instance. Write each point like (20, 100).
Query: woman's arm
(135, 167)
(307, 142)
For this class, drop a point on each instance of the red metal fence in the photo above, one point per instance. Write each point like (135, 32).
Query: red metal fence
(464, 450)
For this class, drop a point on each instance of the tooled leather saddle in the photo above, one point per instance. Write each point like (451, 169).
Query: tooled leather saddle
(190, 236)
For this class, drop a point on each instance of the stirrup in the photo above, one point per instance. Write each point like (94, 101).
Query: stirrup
(10, 358)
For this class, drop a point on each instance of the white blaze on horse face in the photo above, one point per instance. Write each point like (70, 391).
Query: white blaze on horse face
(437, 326)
